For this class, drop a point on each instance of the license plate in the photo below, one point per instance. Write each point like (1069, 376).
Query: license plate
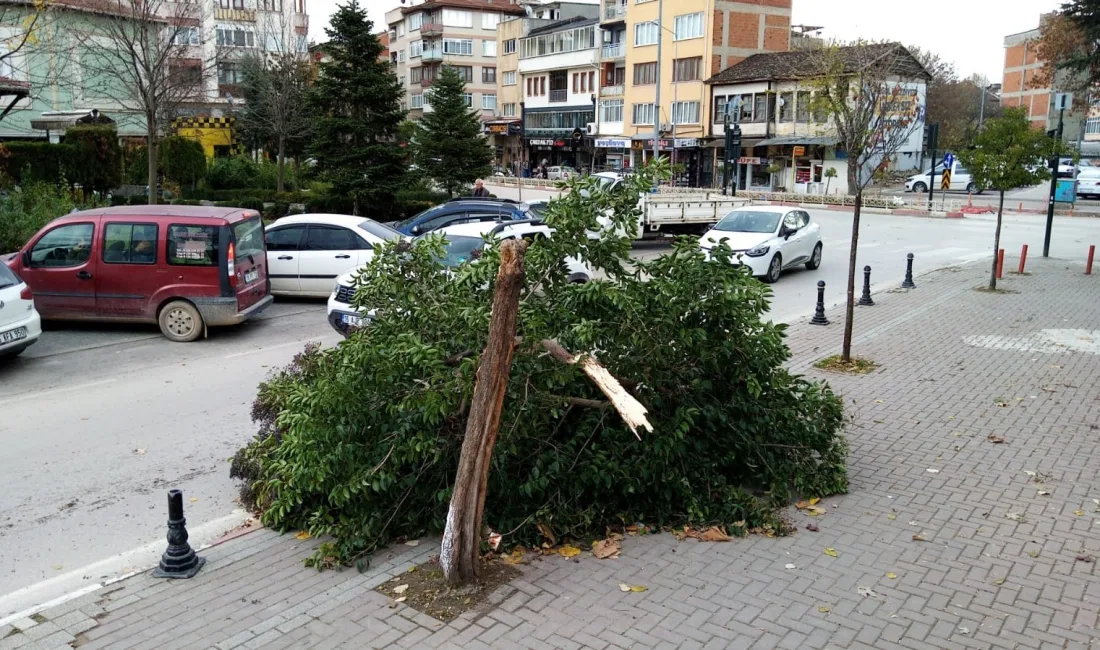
(250, 276)
(13, 335)
(352, 321)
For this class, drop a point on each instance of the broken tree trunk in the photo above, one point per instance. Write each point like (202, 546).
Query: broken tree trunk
(630, 409)
(462, 537)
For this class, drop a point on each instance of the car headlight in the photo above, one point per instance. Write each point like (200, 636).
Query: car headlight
(758, 251)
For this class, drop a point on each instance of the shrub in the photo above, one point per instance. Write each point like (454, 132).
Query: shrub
(182, 160)
(186, 202)
(329, 203)
(276, 210)
(243, 172)
(137, 170)
(30, 162)
(95, 157)
(361, 441)
(24, 211)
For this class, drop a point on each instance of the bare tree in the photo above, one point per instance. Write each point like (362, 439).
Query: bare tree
(27, 19)
(872, 95)
(147, 55)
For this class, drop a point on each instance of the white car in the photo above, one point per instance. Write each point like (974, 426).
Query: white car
(560, 173)
(464, 241)
(961, 180)
(1088, 183)
(768, 239)
(307, 252)
(20, 325)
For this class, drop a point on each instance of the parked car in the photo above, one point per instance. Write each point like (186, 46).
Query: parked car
(1088, 183)
(462, 210)
(306, 252)
(961, 180)
(464, 241)
(185, 268)
(20, 325)
(560, 173)
(768, 239)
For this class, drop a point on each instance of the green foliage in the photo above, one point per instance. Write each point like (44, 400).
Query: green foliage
(96, 157)
(182, 160)
(361, 441)
(330, 204)
(1008, 153)
(356, 102)
(241, 172)
(274, 89)
(277, 210)
(29, 162)
(136, 170)
(186, 202)
(449, 147)
(24, 211)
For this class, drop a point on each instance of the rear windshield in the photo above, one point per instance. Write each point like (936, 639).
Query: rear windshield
(249, 237)
(426, 213)
(8, 278)
(192, 245)
(385, 233)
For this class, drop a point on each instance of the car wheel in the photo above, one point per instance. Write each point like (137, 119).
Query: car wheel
(815, 258)
(774, 269)
(180, 322)
(919, 188)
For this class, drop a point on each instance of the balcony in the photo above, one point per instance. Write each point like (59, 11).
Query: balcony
(559, 96)
(239, 15)
(431, 29)
(429, 56)
(611, 91)
(614, 12)
(611, 51)
(426, 83)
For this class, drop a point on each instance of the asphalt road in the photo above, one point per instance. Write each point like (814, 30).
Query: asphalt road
(97, 422)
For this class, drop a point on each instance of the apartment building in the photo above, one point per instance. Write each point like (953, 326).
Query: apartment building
(458, 33)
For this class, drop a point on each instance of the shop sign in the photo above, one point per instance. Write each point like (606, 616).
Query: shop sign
(799, 151)
(501, 129)
(612, 143)
(648, 144)
(686, 143)
(747, 160)
(546, 142)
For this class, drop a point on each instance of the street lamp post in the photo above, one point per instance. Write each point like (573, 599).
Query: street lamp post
(657, 97)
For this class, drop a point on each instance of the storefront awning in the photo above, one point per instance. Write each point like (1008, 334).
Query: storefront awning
(826, 141)
(720, 143)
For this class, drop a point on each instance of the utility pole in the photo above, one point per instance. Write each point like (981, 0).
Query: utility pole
(933, 141)
(981, 114)
(1060, 101)
(657, 98)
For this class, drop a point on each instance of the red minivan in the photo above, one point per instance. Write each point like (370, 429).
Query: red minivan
(183, 267)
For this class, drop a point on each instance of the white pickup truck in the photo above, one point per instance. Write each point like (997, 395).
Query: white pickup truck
(676, 214)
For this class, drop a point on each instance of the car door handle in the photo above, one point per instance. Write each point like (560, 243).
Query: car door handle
(84, 275)
(343, 257)
(286, 257)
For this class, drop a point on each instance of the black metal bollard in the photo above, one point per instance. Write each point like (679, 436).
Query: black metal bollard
(819, 312)
(908, 283)
(179, 561)
(865, 299)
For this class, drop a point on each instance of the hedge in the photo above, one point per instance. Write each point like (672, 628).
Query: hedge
(269, 196)
(95, 160)
(28, 162)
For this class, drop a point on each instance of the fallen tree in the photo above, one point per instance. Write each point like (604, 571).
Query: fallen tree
(657, 395)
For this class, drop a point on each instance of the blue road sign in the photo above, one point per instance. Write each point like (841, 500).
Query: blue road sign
(948, 160)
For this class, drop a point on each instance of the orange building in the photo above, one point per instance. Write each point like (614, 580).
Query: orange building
(1022, 64)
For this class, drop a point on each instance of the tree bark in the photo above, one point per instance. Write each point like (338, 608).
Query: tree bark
(630, 410)
(151, 151)
(997, 243)
(462, 537)
(282, 163)
(849, 309)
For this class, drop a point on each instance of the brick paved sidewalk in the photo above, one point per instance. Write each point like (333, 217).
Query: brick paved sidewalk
(957, 365)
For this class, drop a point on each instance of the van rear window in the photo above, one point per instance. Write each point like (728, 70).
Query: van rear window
(249, 238)
(193, 245)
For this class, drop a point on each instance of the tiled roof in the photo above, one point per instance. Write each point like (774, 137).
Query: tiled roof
(502, 6)
(801, 64)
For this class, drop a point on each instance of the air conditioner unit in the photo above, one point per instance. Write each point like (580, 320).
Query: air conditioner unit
(590, 128)
(666, 127)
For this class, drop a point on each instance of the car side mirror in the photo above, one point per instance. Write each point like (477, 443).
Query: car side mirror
(415, 230)
(26, 259)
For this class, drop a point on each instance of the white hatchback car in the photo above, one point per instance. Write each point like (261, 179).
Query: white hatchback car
(464, 242)
(307, 252)
(560, 173)
(768, 239)
(20, 325)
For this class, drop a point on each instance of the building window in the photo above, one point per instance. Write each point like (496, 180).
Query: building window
(1092, 126)
(416, 74)
(529, 80)
(488, 48)
(416, 48)
(645, 33)
(611, 110)
(272, 5)
(760, 108)
(488, 75)
(786, 107)
(465, 72)
(468, 99)
(720, 110)
(235, 37)
(490, 21)
(458, 18)
(686, 69)
(685, 112)
(802, 114)
(509, 78)
(489, 102)
(184, 75)
(415, 21)
(400, 56)
(558, 120)
(238, 4)
(300, 6)
(645, 73)
(576, 82)
(509, 110)
(592, 81)
(462, 46)
(416, 101)
(643, 114)
(510, 46)
(228, 74)
(186, 36)
(689, 26)
(570, 40)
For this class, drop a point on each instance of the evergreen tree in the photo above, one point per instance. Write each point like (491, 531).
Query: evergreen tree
(356, 102)
(450, 149)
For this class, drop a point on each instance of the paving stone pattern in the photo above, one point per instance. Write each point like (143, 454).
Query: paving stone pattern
(981, 580)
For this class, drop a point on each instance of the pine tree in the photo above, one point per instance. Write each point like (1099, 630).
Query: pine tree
(356, 102)
(450, 149)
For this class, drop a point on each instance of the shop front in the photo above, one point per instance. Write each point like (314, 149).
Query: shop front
(685, 155)
(505, 138)
(613, 154)
(801, 163)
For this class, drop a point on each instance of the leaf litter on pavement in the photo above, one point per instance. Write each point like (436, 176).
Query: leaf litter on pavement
(424, 589)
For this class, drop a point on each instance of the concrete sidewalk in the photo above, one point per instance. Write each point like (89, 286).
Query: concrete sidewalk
(1003, 524)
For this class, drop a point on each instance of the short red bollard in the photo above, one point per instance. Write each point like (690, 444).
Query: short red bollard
(1023, 259)
(1088, 267)
(1000, 263)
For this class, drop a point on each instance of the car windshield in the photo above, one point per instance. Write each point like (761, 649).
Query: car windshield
(749, 221)
(385, 233)
(427, 213)
(249, 236)
(7, 277)
(461, 249)
(605, 182)
(537, 210)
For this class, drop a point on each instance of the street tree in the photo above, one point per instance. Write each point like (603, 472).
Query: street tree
(23, 24)
(1004, 157)
(869, 94)
(449, 145)
(356, 105)
(1069, 47)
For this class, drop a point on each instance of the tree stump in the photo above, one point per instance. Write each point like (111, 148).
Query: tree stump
(462, 537)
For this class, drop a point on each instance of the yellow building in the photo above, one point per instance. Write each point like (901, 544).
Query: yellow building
(215, 134)
(698, 38)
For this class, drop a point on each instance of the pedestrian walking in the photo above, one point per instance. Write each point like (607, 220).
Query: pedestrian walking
(479, 189)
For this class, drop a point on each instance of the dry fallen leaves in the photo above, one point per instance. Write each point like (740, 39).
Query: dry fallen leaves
(1033, 553)
(919, 538)
(1015, 516)
(139, 452)
(1044, 493)
(998, 581)
(1084, 558)
(790, 566)
(400, 600)
(302, 534)
(997, 440)
(400, 589)
(516, 556)
(606, 548)
(413, 542)
(824, 609)
(932, 470)
(635, 588)
(812, 528)
(712, 534)
(892, 576)
(1079, 512)
(802, 505)
(831, 552)
(866, 592)
(568, 550)
(891, 516)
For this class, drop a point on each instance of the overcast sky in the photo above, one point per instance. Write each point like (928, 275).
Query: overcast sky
(969, 33)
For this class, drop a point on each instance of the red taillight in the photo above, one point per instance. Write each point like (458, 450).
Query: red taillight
(231, 267)
(26, 293)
